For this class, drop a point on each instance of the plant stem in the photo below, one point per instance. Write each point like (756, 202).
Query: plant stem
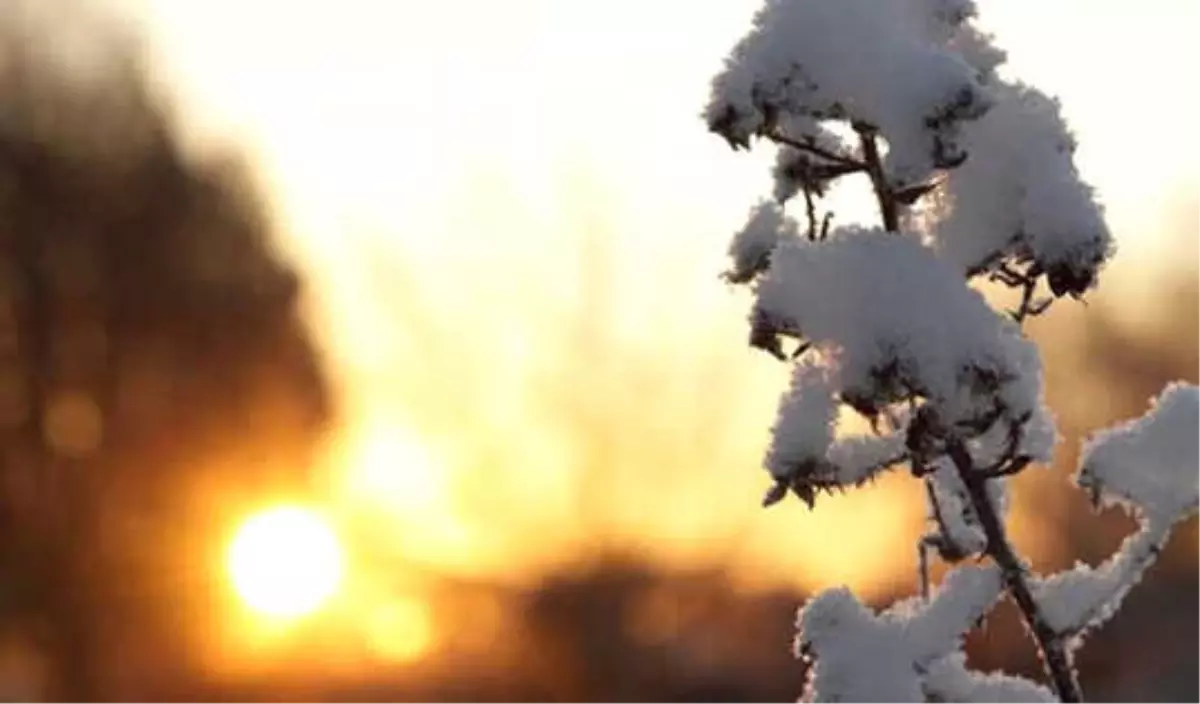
(1055, 657)
(816, 151)
(888, 207)
(811, 209)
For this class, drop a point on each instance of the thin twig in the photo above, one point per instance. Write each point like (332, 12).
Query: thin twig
(810, 207)
(923, 566)
(888, 207)
(1055, 657)
(924, 545)
(815, 150)
(1024, 309)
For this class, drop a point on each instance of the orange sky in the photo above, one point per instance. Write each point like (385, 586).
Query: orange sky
(440, 169)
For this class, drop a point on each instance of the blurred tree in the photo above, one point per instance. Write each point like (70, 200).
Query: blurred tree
(148, 338)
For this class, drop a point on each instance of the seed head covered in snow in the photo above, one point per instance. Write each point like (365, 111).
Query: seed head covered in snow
(862, 656)
(806, 459)
(803, 427)
(751, 247)
(804, 424)
(891, 65)
(1020, 195)
(899, 321)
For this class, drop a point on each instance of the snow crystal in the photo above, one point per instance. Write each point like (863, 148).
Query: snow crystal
(949, 680)
(880, 63)
(1019, 192)
(751, 246)
(861, 656)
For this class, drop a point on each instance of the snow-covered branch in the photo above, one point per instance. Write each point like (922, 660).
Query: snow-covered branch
(973, 175)
(1150, 466)
(862, 656)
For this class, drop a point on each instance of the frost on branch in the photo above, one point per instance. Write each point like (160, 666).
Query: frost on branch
(1084, 598)
(960, 533)
(894, 65)
(859, 457)
(949, 680)
(862, 656)
(1149, 465)
(1020, 196)
(971, 175)
(1150, 462)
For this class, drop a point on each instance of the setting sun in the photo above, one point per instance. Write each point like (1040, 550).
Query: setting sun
(285, 562)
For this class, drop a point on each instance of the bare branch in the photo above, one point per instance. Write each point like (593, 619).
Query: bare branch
(888, 207)
(810, 209)
(923, 566)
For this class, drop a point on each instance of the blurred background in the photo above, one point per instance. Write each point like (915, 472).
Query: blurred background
(376, 351)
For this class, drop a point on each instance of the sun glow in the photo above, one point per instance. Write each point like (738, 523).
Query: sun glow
(496, 259)
(285, 562)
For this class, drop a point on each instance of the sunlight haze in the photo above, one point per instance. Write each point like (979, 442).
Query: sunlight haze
(511, 213)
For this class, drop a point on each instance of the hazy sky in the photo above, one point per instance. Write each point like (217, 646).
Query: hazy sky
(483, 142)
(443, 90)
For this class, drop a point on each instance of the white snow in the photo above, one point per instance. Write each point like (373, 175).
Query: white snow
(1150, 465)
(751, 247)
(1152, 462)
(888, 64)
(861, 656)
(959, 521)
(803, 427)
(1083, 598)
(856, 458)
(881, 300)
(949, 680)
(1019, 191)
(892, 321)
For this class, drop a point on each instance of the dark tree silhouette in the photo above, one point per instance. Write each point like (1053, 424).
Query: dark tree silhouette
(148, 336)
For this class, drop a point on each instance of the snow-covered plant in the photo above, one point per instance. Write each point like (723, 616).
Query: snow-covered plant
(974, 179)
